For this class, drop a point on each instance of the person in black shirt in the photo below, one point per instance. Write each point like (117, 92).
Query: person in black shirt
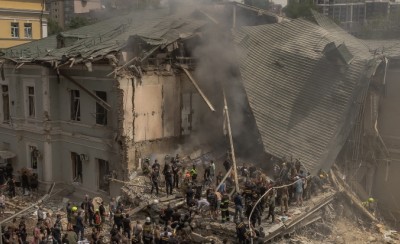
(168, 179)
(127, 226)
(154, 180)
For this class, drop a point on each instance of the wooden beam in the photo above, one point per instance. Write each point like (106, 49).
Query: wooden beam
(198, 88)
(231, 143)
(102, 103)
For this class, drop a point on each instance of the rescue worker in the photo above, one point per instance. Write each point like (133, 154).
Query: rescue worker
(271, 206)
(193, 173)
(238, 207)
(224, 208)
(97, 220)
(57, 229)
(148, 232)
(284, 199)
(189, 195)
(156, 166)
(154, 181)
(241, 232)
(370, 205)
(175, 171)
(165, 235)
(167, 172)
(126, 223)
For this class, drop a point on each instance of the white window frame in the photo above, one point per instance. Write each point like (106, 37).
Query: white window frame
(14, 30)
(28, 30)
(28, 84)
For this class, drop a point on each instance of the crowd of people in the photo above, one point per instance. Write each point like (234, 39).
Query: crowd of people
(209, 197)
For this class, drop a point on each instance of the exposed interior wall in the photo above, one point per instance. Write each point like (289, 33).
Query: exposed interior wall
(386, 178)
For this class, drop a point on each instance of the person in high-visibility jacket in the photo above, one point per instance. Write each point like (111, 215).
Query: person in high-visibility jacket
(225, 208)
(193, 173)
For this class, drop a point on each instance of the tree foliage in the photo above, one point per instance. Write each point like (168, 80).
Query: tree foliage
(263, 4)
(53, 27)
(297, 9)
(78, 21)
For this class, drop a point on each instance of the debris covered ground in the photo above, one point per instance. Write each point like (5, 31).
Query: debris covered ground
(325, 217)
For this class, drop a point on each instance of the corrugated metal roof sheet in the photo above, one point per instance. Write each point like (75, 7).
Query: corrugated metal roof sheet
(97, 40)
(304, 105)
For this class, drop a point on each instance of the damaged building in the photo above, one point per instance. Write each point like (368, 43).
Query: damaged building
(92, 103)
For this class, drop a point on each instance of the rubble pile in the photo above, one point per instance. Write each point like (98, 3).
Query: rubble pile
(137, 190)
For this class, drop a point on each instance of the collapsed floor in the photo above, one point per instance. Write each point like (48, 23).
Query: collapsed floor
(332, 215)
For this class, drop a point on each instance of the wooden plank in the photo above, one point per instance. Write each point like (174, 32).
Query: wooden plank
(198, 88)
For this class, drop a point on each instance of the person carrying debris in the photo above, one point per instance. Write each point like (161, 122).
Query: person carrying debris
(154, 181)
(148, 232)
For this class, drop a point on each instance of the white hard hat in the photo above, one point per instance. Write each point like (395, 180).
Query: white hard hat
(155, 201)
(147, 219)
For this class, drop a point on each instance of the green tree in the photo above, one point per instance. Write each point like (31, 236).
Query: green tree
(53, 27)
(296, 9)
(263, 4)
(77, 22)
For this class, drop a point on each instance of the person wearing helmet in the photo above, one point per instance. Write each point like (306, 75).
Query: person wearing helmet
(370, 205)
(148, 231)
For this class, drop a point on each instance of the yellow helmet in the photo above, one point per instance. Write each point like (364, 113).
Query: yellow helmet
(371, 199)
(74, 209)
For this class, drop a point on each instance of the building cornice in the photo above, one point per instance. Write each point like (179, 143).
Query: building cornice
(24, 11)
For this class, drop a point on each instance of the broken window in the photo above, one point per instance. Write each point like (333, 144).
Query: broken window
(34, 153)
(104, 174)
(101, 112)
(6, 104)
(76, 167)
(31, 101)
(15, 30)
(28, 30)
(75, 105)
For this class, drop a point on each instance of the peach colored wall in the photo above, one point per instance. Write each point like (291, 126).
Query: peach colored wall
(81, 7)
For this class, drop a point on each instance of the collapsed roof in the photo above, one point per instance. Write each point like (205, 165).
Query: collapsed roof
(156, 27)
(304, 94)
